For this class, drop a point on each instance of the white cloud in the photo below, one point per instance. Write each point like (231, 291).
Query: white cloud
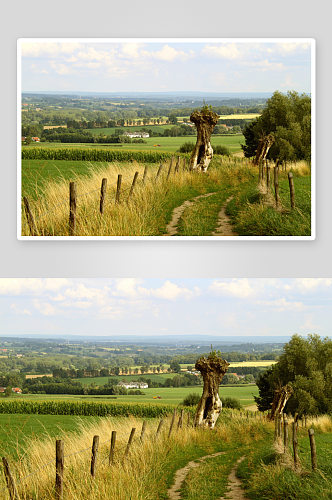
(264, 65)
(30, 286)
(48, 49)
(311, 284)
(223, 51)
(169, 291)
(235, 288)
(16, 310)
(281, 305)
(46, 309)
(308, 325)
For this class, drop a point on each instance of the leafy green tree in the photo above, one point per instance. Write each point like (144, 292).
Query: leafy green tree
(288, 118)
(175, 367)
(306, 365)
(8, 392)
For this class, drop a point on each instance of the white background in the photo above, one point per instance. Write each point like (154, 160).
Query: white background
(172, 18)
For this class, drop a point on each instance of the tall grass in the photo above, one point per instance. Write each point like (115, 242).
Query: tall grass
(148, 210)
(146, 474)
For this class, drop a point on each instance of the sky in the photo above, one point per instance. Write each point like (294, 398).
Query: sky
(142, 65)
(154, 307)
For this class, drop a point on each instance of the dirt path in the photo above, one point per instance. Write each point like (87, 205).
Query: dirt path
(224, 227)
(234, 484)
(180, 476)
(171, 228)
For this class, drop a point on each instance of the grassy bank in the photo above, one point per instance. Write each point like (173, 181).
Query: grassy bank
(150, 208)
(149, 469)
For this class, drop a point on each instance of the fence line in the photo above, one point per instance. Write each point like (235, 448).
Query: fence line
(265, 178)
(60, 456)
(103, 191)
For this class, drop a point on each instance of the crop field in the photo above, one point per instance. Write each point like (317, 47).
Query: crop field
(170, 144)
(16, 430)
(169, 395)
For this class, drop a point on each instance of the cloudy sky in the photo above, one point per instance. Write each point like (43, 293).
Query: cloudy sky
(218, 307)
(167, 65)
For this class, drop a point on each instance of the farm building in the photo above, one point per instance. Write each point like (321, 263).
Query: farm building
(134, 385)
(136, 134)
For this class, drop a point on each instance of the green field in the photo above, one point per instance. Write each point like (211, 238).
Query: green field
(169, 395)
(170, 144)
(17, 430)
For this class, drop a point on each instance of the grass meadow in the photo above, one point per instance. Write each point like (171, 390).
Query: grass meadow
(168, 144)
(148, 471)
(251, 210)
(169, 395)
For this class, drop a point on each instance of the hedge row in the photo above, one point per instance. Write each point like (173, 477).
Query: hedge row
(93, 155)
(86, 408)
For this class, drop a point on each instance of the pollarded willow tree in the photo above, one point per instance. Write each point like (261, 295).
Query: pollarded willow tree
(212, 368)
(205, 121)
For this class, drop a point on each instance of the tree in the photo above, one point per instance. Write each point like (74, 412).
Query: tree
(8, 392)
(288, 118)
(205, 120)
(212, 368)
(172, 118)
(175, 367)
(307, 367)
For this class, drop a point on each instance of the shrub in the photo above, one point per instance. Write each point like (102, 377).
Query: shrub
(231, 403)
(192, 399)
(221, 150)
(187, 147)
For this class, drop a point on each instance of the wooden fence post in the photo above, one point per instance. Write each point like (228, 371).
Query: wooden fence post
(72, 208)
(159, 171)
(103, 194)
(172, 423)
(276, 185)
(29, 216)
(132, 186)
(143, 431)
(313, 449)
(131, 437)
(10, 481)
(95, 444)
(295, 447)
(291, 189)
(118, 190)
(279, 427)
(170, 167)
(145, 174)
(159, 428)
(184, 164)
(276, 427)
(180, 420)
(285, 435)
(188, 422)
(59, 465)
(111, 455)
(177, 165)
(268, 178)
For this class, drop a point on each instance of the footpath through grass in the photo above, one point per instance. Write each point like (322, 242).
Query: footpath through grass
(150, 208)
(149, 470)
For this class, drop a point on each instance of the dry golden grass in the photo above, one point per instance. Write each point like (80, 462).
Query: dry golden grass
(144, 215)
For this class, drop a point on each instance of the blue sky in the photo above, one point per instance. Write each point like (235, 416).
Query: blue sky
(150, 66)
(153, 307)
